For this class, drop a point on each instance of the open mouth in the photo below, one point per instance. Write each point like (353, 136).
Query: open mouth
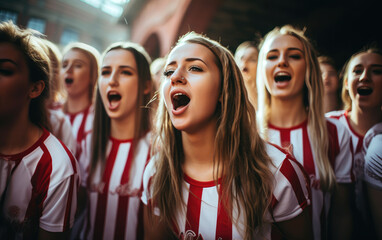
(68, 80)
(114, 98)
(282, 77)
(364, 91)
(180, 100)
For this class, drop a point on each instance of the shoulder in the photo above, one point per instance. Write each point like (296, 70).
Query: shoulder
(335, 114)
(373, 162)
(371, 133)
(147, 177)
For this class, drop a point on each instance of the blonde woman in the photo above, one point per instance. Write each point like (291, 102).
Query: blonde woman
(213, 177)
(291, 116)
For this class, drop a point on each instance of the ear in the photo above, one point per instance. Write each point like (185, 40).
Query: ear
(36, 89)
(346, 84)
(148, 87)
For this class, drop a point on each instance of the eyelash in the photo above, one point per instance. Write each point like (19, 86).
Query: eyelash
(168, 73)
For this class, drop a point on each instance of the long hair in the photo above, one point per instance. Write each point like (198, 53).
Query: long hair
(93, 55)
(239, 151)
(30, 45)
(345, 73)
(101, 124)
(312, 99)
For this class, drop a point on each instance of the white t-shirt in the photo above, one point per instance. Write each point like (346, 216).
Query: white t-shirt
(38, 189)
(340, 155)
(372, 149)
(62, 129)
(205, 216)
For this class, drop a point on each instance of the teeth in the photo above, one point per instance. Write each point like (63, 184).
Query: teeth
(282, 74)
(178, 94)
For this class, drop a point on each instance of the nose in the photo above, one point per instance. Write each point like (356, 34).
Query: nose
(282, 61)
(364, 76)
(177, 78)
(113, 81)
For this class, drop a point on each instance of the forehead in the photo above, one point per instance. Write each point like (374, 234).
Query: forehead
(326, 67)
(366, 59)
(119, 57)
(282, 42)
(74, 54)
(248, 51)
(9, 51)
(191, 50)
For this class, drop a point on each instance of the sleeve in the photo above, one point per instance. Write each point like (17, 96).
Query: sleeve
(291, 194)
(341, 144)
(147, 176)
(373, 162)
(84, 159)
(60, 206)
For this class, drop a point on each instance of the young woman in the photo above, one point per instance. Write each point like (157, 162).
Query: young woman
(79, 73)
(362, 97)
(119, 146)
(38, 174)
(332, 84)
(213, 177)
(291, 116)
(246, 56)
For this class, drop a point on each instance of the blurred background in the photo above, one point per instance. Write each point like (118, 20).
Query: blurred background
(337, 28)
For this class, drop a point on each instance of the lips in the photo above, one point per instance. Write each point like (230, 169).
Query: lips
(180, 100)
(114, 99)
(364, 91)
(282, 77)
(69, 80)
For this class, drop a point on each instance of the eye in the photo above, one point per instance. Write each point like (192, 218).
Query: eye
(105, 72)
(296, 56)
(196, 68)
(358, 71)
(271, 57)
(78, 66)
(377, 71)
(125, 72)
(168, 73)
(6, 72)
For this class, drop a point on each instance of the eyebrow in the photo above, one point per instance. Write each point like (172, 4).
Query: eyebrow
(121, 66)
(289, 49)
(189, 60)
(8, 60)
(372, 65)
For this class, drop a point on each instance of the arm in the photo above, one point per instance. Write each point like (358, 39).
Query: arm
(340, 214)
(154, 228)
(375, 199)
(304, 230)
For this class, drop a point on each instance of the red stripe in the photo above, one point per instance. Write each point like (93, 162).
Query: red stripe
(68, 209)
(290, 174)
(123, 201)
(40, 183)
(81, 130)
(334, 147)
(224, 223)
(285, 138)
(102, 197)
(193, 209)
(307, 152)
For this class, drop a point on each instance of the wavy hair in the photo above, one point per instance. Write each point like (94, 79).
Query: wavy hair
(345, 73)
(239, 151)
(101, 123)
(27, 41)
(313, 92)
(93, 55)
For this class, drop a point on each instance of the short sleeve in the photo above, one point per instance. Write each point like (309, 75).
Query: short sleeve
(373, 162)
(147, 175)
(84, 159)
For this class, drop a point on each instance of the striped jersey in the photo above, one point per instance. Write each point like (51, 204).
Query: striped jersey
(297, 140)
(62, 129)
(373, 156)
(38, 189)
(205, 217)
(110, 215)
(82, 124)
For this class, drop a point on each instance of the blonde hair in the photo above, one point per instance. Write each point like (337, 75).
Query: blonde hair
(93, 55)
(344, 74)
(313, 91)
(239, 151)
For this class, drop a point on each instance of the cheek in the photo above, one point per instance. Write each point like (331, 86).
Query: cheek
(102, 86)
(165, 93)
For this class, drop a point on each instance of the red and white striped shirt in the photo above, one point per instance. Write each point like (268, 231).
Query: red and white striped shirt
(111, 216)
(297, 138)
(38, 189)
(82, 124)
(205, 216)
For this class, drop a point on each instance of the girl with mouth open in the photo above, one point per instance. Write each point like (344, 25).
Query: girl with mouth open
(212, 176)
(118, 148)
(291, 116)
(362, 97)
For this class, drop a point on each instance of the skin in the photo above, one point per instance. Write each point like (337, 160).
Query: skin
(365, 70)
(285, 55)
(76, 66)
(18, 132)
(331, 84)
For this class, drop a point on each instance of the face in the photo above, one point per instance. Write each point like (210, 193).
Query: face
(75, 73)
(191, 87)
(246, 59)
(329, 78)
(118, 84)
(285, 67)
(364, 81)
(14, 81)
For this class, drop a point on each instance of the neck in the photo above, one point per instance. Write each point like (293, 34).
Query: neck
(17, 135)
(330, 102)
(361, 120)
(252, 92)
(199, 151)
(77, 104)
(122, 129)
(287, 113)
